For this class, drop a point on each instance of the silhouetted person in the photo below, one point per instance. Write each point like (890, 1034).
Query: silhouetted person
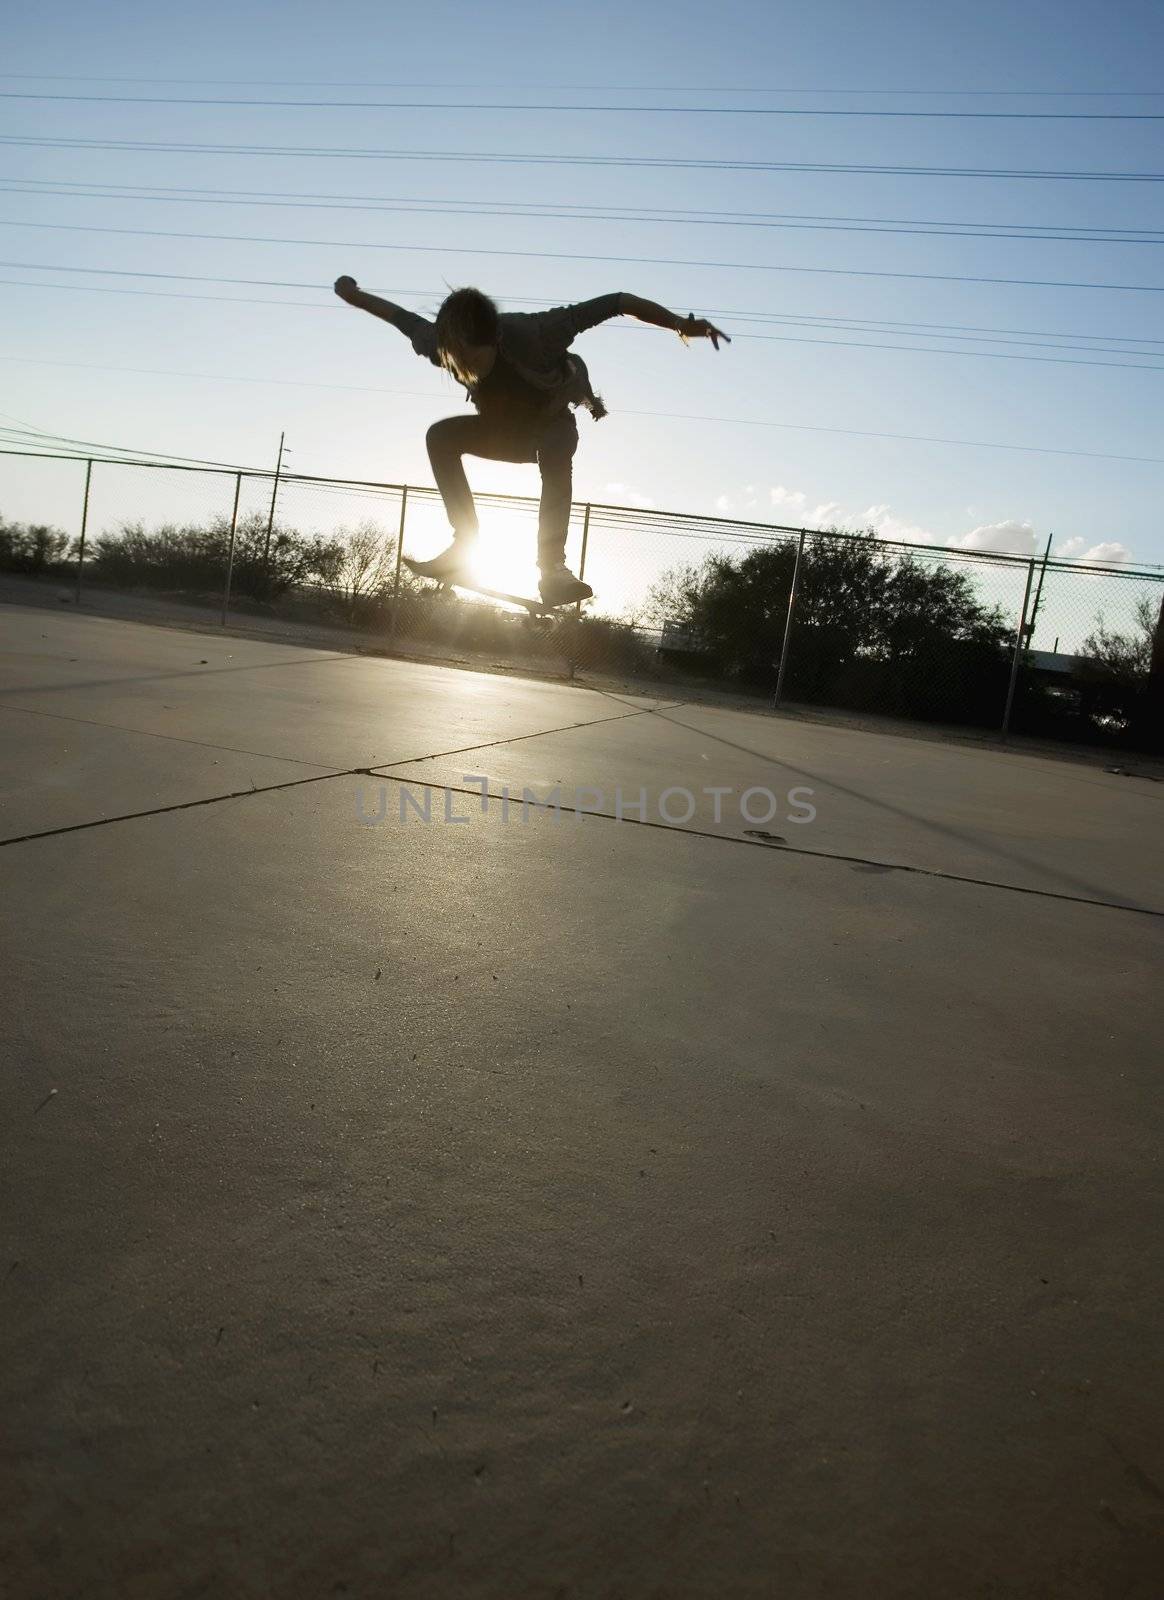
(517, 369)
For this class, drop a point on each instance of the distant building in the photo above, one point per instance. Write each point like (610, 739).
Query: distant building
(676, 638)
(1059, 665)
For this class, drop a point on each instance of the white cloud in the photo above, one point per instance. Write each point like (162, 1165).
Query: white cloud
(1011, 538)
(1110, 550)
(624, 493)
(787, 499)
(887, 526)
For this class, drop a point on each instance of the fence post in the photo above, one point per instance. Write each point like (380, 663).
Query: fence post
(1154, 689)
(1020, 632)
(582, 558)
(788, 623)
(230, 555)
(399, 553)
(84, 525)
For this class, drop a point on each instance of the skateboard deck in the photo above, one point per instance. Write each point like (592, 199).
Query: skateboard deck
(532, 607)
(535, 608)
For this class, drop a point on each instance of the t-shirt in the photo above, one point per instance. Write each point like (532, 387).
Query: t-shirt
(537, 340)
(503, 395)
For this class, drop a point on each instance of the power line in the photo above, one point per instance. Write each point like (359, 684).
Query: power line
(854, 344)
(985, 355)
(546, 106)
(588, 88)
(33, 436)
(184, 277)
(393, 204)
(913, 438)
(305, 152)
(130, 456)
(947, 329)
(676, 416)
(574, 255)
(170, 294)
(944, 330)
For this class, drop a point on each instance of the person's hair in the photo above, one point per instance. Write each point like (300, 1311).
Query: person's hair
(467, 318)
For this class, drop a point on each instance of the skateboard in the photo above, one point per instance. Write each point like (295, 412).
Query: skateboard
(533, 608)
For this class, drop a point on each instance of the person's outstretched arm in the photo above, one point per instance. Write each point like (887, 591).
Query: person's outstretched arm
(658, 316)
(565, 323)
(418, 330)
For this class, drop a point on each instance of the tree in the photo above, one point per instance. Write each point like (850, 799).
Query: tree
(1126, 657)
(1127, 672)
(735, 608)
(194, 558)
(872, 627)
(31, 547)
(361, 563)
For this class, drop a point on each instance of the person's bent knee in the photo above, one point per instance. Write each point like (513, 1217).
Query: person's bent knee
(437, 434)
(444, 435)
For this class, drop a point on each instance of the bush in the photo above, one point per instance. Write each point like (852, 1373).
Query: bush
(873, 629)
(32, 548)
(195, 558)
(1117, 689)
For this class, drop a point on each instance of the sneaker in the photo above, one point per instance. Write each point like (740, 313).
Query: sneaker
(450, 566)
(559, 587)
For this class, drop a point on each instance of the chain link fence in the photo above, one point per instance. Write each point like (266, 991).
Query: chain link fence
(800, 617)
(1095, 655)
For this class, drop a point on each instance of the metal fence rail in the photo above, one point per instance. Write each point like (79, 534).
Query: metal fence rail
(799, 615)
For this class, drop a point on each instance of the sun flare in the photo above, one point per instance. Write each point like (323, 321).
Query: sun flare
(506, 556)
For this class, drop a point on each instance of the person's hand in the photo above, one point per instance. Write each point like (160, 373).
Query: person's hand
(347, 289)
(699, 328)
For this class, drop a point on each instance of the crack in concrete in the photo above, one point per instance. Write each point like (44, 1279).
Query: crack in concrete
(384, 770)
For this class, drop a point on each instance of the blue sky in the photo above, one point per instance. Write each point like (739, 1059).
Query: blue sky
(836, 56)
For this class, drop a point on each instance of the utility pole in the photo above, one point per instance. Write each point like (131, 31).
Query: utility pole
(788, 623)
(84, 526)
(1038, 593)
(271, 517)
(1016, 657)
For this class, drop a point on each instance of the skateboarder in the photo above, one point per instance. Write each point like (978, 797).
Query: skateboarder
(517, 370)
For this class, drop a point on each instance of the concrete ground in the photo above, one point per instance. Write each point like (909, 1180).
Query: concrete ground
(727, 1206)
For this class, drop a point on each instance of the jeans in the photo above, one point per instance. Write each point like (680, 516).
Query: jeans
(551, 444)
